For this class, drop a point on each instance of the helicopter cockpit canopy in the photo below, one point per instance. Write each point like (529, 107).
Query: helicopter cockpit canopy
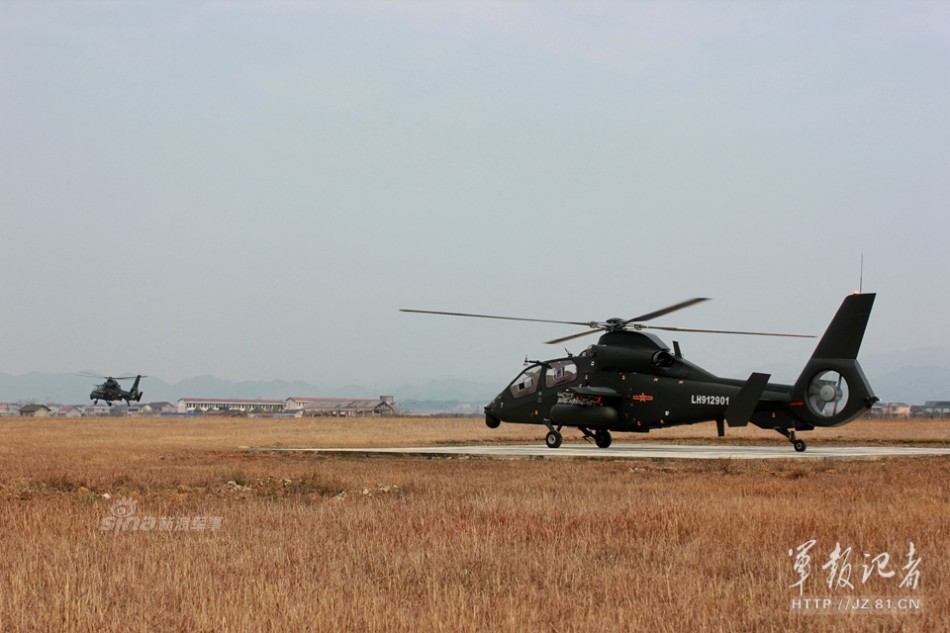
(551, 374)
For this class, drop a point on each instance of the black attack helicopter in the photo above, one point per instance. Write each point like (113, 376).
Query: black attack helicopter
(111, 390)
(630, 381)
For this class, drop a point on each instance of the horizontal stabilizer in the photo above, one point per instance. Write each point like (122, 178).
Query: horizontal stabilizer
(742, 406)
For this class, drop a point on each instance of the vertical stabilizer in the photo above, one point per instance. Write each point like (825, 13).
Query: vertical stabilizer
(843, 337)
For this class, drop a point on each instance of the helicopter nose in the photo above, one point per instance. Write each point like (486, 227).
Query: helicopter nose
(493, 413)
(496, 406)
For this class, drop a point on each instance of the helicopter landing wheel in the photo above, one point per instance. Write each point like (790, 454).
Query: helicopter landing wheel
(789, 434)
(553, 439)
(602, 438)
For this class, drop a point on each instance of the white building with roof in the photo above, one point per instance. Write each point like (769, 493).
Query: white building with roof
(215, 405)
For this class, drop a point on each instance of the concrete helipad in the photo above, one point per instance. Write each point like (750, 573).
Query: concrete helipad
(631, 451)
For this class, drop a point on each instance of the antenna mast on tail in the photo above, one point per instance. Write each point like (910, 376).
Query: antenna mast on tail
(861, 278)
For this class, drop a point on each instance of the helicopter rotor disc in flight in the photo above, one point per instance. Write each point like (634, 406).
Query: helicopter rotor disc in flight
(614, 325)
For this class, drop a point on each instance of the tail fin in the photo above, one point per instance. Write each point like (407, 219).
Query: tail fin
(136, 394)
(832, 389)
(843, 337)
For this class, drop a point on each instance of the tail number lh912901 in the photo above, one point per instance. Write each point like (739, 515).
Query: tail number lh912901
(710, 400)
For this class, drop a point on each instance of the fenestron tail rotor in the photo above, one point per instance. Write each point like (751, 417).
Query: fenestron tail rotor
(827, 394)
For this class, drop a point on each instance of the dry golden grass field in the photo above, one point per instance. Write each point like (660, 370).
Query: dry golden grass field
(147, 524)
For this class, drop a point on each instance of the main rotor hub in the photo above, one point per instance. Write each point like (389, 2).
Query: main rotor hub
(615, 325)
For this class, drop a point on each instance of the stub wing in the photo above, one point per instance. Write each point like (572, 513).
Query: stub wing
(743, 405)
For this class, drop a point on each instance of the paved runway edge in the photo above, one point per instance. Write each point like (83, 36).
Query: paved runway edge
(630, 451)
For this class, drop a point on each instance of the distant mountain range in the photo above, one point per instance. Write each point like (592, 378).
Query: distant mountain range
(912, 377)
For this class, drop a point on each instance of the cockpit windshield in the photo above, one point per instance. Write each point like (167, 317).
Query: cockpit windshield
(556, 373)
(560, 372)
(527, 382)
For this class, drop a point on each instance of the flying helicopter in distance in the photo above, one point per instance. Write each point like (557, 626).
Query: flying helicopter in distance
(630, 381)
(111, 390)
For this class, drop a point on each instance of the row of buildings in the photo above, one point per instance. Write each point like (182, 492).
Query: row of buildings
(290, 407)
(293, 407)
(930, 409)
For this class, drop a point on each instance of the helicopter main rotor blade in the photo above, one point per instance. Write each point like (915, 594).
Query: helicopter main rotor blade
(667, 310)
(706, 331)
(643, 317)
(573, 336)
(86, 374)
(614, 324)
(490, 316)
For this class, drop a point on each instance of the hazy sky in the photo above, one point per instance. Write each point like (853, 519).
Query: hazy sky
(253, 190)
